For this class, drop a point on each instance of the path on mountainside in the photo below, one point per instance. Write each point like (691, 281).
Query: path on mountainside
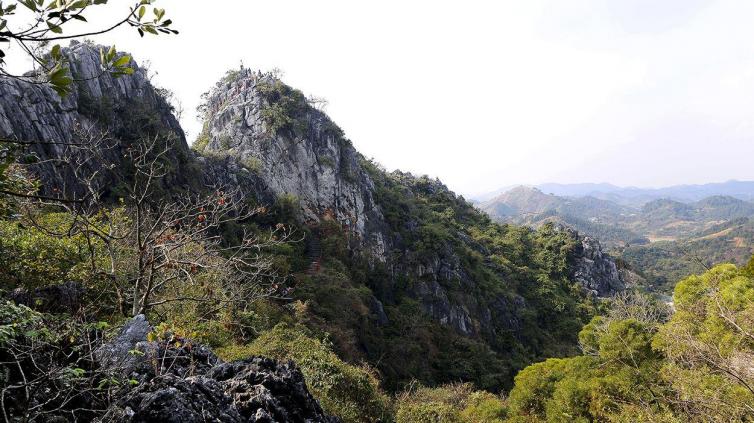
(314, 254)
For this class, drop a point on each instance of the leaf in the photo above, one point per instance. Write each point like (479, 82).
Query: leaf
(55, 52)
(123, 61)
(80, 4)
(29, 4)
(59, 80)
(142, 11)
(79, 17)
(54, 28)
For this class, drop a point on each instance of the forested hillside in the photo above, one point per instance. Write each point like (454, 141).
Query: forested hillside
(273, 237)
(662, 241)
(266, 271)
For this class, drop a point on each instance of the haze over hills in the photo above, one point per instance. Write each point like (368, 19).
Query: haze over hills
(636, 197)
(261, 268)
(662, 238)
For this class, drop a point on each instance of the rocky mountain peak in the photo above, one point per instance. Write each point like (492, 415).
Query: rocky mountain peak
(124, 108)
(297, 152)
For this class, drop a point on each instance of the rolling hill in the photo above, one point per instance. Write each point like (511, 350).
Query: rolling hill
(653, 238)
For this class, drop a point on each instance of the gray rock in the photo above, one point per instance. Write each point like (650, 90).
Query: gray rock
(117, 354)
(181, 381)
(36, 113)
(320, 168)
(596, 270)
(64, 298)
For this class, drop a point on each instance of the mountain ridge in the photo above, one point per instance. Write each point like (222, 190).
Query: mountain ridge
(637, 196)
(409, 276)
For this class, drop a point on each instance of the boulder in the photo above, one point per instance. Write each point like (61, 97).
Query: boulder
(64, 298)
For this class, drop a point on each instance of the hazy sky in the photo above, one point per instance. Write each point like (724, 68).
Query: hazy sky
(484, 94)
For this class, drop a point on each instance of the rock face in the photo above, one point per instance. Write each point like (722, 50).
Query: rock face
(65, 298)
(183, 382)
(594, 269)
(308, 159)
(264, 138)
(106, 104)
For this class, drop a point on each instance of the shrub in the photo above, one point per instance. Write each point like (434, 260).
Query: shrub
(201, 142)
(253, 164)
(449, 404)
(285, 109)
(32, 258)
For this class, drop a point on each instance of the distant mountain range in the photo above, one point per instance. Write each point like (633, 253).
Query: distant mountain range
(652, 230)
(636, 197)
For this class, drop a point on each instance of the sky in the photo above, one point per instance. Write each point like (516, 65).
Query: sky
(486, 94)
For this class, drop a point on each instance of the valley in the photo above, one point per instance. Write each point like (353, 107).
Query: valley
(662, 239)
(254, 265)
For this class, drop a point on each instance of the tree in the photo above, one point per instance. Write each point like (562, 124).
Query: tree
(155, 248)
(641, 364)
(709, 344)
(49, 23)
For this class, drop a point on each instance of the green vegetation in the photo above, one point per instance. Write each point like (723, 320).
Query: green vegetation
(665, 262)
(252, 164)
(33, 258)
(639, 367)
(454, 403)
(348, 391)
(285, 109)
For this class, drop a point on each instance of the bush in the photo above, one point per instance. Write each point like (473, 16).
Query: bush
(285, 109)
(252, 164)
(449, 404)
(33, 258)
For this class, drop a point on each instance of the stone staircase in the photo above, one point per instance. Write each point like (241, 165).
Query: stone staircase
(314, 254)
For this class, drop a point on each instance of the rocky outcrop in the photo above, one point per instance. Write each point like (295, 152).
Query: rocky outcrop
(307, 160)
(121, 109)
(179, 381)
(594, 269)
(64, 298)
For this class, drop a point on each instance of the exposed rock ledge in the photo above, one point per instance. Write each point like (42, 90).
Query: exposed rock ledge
(183, 382)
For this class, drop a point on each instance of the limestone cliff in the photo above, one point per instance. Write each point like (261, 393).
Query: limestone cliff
(504, 287)
(123, 108)
(308, 158)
